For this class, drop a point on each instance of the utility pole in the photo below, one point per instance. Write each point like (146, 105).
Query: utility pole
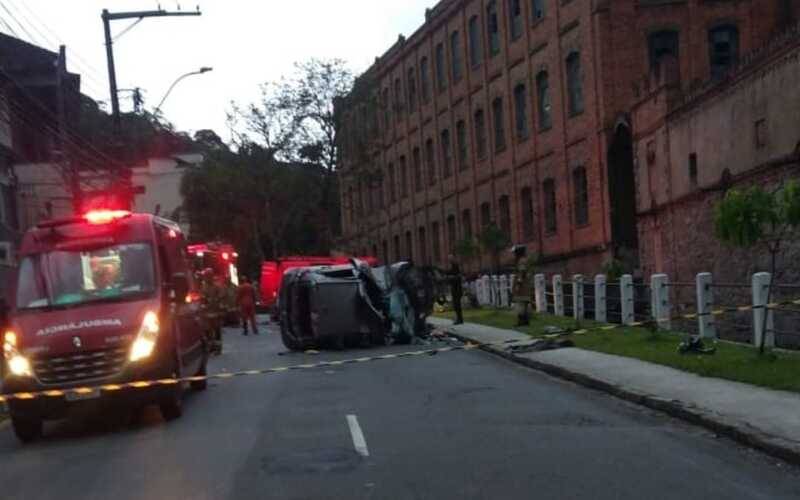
(112, 73)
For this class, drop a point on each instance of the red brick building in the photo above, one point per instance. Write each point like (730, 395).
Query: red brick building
(520, 112)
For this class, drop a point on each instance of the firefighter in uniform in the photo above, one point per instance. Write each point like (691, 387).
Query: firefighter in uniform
(521, 290)
(214, 301)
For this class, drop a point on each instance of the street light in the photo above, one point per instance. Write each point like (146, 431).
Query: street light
(204, 69)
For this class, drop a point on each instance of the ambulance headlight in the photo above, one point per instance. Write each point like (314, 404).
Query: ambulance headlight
(145, 341)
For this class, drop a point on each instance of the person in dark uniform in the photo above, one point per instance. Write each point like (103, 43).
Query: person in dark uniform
(521, 289)
(456, 288)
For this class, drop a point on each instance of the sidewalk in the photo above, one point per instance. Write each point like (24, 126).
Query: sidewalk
(758, 417)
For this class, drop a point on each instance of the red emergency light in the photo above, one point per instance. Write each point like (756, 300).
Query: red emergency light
(105, 216)
(225, 256)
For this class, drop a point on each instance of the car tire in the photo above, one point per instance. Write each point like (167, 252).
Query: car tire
(27, 429)
(289, 342)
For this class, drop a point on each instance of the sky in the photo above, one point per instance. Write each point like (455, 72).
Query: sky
(247, 42)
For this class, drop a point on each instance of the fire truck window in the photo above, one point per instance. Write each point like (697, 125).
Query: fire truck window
(30, 291)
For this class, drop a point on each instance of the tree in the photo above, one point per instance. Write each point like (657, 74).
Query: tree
(757, 217)
(466, 250)
(296, 121)
(494, 240)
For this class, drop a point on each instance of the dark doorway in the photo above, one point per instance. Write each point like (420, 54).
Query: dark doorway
(622, 191)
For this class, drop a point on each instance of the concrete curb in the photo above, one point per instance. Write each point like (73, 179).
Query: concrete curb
(743, 434)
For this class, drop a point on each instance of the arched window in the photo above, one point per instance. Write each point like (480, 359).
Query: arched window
(574, 83)
(504, 209)
(550, 209)
(515, 15)
(418, 184)
(543, 100)
(412, 90)
(521, 110)
(475, 46)
(480, 134)
(461, 138)
(537, 9)
(430, 160)
(499, 124)
(526, 209)
(581, 187)
(723, 46)
(425, 80)
(441, 71)
(466, 224)
(493, 28)
(446, 154)
(455, 55)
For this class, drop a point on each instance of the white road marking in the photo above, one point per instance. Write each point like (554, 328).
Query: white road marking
(359, 442)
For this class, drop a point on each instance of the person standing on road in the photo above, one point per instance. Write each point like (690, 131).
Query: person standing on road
(456, 288)
(246, 300)
(214, 302)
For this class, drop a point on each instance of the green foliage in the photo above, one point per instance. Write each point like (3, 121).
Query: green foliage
(745, 218)
(613, 269)
(466, 249)
(493, 239)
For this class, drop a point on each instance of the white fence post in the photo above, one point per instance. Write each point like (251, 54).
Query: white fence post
(540, 285)
(761, 283)
(503, 281)
(659, 301)
(600, 307)
(626, 299)
(493, 287)
(558, 296)
(577, 297)
(705, 304)
(485, 291)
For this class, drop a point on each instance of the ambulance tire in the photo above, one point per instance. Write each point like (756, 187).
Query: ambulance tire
(172, 405)
(201, 385)
(27, 429)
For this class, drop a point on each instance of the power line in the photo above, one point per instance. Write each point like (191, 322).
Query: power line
(24, 29)
(54, 40)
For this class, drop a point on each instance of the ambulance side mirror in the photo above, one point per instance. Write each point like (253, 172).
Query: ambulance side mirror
(180, 288)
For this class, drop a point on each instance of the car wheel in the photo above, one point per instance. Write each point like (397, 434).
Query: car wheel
(289, 342)
(27, 429)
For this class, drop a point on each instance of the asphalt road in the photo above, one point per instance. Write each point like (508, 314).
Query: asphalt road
(459, 425)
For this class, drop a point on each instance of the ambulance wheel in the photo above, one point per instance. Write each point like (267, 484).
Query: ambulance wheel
(27, 429)
(201, 385)
(172, 405)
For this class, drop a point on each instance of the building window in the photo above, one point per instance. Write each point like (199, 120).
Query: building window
(475, 46)
(486, 214)
(425, 80)
(409, 246)
(455, 55)
(446, 154)
(403, 177)
(581, 187)
(515, 13)
(574, 84)
(423, 246)
(466, 224)
(441, 73)
(499, 129)
(430, 160)
(398, 98)
(526, 210)
(397, 250)
(451, 233)
(387, 110)
(504, 209)
(493, 28)
(537, 9)
(693, 169)
(392, 184)
(723, 44)
(418, 184)
(521, 111)
(761, 133)
(543, 100)
(437, 245)
(663, 44)
(480, 133)
(461, 137)
(412, 90)
(549, 192)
